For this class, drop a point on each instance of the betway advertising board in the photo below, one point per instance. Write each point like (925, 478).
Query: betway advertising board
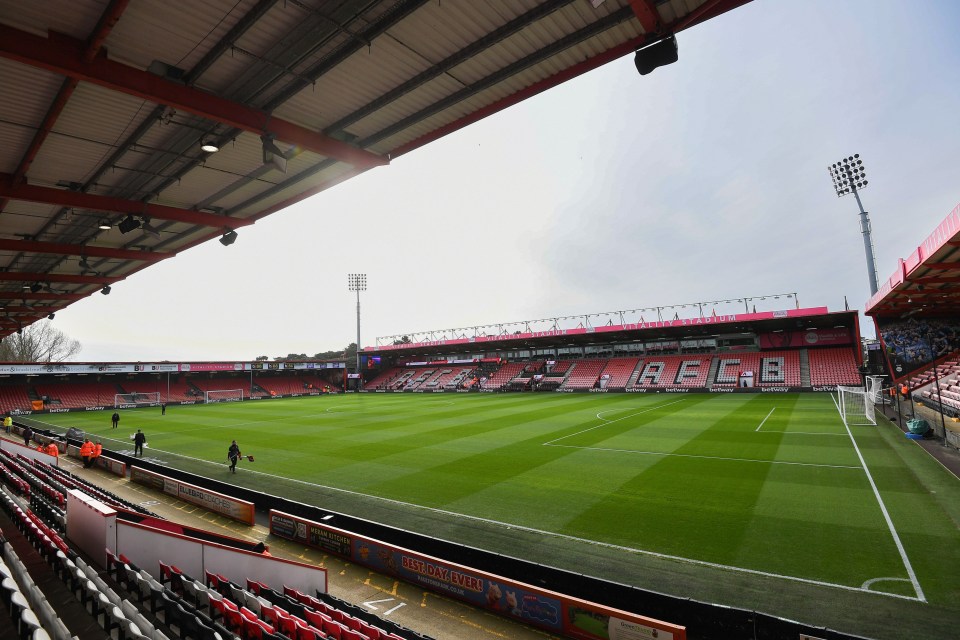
(572, 617)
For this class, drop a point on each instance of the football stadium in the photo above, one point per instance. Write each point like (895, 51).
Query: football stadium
(731, 467)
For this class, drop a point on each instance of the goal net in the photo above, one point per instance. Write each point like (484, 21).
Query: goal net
(875, 388)
(128, 400)
(856, 406)
(223, 395)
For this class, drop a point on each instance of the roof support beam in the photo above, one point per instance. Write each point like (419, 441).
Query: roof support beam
(95, 42)
(118, 206)
(647, 15)
(64, 55)
(23, 276)
(31, 246)
(17, 295)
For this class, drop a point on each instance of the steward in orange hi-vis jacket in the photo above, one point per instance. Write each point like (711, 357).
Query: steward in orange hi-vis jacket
(86, 452)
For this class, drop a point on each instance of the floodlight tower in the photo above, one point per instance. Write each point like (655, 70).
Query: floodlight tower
(357, 282)
(849, 176)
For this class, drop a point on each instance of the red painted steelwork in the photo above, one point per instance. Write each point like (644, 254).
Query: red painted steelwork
(64, 55)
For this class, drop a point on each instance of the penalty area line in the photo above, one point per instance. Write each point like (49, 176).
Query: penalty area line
(691, 455)
(608, 422)
(765, 419)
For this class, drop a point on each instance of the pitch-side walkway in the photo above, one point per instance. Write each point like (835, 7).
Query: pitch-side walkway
(406, 604)
(946, 455)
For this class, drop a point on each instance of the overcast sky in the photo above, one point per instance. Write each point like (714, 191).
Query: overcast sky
(706, 179)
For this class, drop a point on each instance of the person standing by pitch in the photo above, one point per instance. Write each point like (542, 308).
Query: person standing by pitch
(115, 419)
(138, 439)
(233, 454)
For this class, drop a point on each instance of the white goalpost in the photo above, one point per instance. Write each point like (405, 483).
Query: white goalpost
(141, 399)
(223, 395)
(875, 388)
(856, 406)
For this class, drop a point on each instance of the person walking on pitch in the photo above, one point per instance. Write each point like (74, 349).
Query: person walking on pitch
(233, 454)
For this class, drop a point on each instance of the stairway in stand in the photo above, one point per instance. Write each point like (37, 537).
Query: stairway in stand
(804, 368)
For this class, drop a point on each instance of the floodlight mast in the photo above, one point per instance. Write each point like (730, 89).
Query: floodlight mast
(849, 176)
(357, 282)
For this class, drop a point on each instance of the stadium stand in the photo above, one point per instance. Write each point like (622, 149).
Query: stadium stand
(585, 374)
(948, 367)
(620, 370)
(504, 375)
(282, 385)
(674, 371)
(833, 366)
(14, 396)
(384, 378)
(770, 368)
(77, 394)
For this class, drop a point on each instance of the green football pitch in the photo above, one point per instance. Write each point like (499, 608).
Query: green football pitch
(763, 501)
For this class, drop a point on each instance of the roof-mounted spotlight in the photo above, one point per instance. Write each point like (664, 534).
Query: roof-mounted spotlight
(51, 316)
(105, 225)
(35, 287)
(229, 237)
(128, 224)
(106, 290)
(658, 54)
(209, 146)
(272, 153)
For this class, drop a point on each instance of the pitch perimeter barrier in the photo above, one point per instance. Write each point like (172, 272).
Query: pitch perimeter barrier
(537, 607)
(703, 621)
(240, 510)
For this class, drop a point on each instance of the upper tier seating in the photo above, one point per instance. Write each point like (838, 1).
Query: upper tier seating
(834, 366)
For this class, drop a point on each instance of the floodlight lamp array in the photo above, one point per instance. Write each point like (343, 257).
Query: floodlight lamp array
(357, 281)
(848, 175)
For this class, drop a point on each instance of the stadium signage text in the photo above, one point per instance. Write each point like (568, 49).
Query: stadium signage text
(239, 510)
(517, 600)
(636, 326)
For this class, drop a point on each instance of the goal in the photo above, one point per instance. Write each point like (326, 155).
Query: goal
(129, 400)
(856, 406)
(223, 395)
(875, 388)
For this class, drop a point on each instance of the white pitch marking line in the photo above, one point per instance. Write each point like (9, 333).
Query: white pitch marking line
(611, 422)
(690, 455)
(768, 416)
(553, 534)
(870, 583)
(600, 414)
(886, 516)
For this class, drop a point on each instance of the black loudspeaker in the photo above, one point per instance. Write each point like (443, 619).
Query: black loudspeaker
(656, 55)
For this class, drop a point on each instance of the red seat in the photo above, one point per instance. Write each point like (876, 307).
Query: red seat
(250, 630)
(332, 629)
(315, 618)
